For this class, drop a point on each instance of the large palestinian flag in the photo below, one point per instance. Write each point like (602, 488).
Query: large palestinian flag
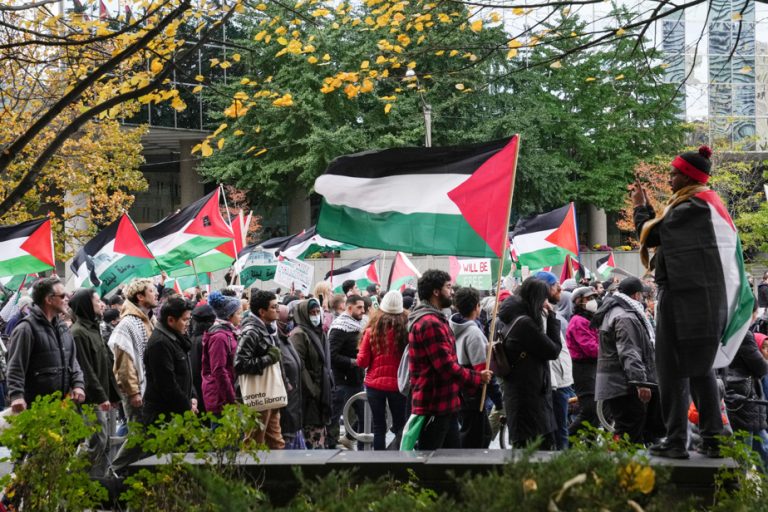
(309, 242)
(450, 200)
(256, 264)
(545, 240)
(361, 271)
(737, 288)
(189, 233)
(605, 265)
(115, 255)
(26, 248)
(403, 274)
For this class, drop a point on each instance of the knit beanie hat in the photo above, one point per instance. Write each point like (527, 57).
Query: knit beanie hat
(547, 277)
(392, 303)
(224, 306)
(695, 164)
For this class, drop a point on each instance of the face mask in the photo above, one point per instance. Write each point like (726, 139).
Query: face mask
(315, 319)
(591, 306)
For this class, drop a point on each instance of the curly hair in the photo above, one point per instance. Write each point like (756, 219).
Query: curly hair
(382, 323)
(136, 287)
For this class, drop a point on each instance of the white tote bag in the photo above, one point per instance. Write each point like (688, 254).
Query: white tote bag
(266, 391)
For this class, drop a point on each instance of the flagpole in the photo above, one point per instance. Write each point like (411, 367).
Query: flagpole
(495, 316)
(229, 221)
(332, 254)
(197, 277)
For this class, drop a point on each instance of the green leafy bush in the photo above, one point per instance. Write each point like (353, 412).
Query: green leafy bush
(49, 472)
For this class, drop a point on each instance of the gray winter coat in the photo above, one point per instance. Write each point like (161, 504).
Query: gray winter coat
(625, 353)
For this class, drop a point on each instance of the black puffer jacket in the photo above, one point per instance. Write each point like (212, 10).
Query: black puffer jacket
(743, 382)
(343, 338)
(42, 358)
(528, 389)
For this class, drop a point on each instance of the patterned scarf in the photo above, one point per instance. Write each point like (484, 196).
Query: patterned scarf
(638, 308)
(678, 197)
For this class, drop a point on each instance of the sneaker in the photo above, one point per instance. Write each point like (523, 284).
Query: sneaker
(668, 450)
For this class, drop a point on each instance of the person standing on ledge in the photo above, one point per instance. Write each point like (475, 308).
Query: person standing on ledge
(692, 302)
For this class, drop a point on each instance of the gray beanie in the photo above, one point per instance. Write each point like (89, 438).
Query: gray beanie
(224, 306)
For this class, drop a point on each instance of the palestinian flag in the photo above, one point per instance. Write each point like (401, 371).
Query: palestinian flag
(309, 242)
(451, 200)
(189, 233)
(26, 248)
(545, 240)
(403, 274)
(572, 269)
(186, 282)
(362, 271)
(18, 282)
(256, 264)
(115, 255)
(606, 265)
(737, 289)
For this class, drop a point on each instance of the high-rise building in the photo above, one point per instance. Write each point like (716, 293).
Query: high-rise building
(718, 53)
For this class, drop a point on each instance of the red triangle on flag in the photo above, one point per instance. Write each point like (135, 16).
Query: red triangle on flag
(565, 235)
(40, 244)
(483, 198)
(371, 273)
(454, 267)
(610, 261)
(209, 222)
(128, 241)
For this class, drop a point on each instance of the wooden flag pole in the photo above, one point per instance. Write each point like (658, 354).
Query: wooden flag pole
(236, 272)
(197, 277)
(331, 276)
(495, 316)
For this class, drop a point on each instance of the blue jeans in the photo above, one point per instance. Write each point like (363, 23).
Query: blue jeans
(378, 401)
(560, 398)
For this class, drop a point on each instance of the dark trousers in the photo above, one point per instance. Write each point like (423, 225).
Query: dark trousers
(341, 395)
(378, 401)
(676, 391)
(474, 428)
(641, 422)
(584, 385)
(440, 432)
(560, 398)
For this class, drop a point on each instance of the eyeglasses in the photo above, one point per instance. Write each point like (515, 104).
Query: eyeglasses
(59, 295)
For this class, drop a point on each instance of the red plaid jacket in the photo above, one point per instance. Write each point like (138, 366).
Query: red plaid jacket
(436, 376)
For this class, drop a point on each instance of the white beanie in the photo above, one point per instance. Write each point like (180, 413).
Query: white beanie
(392, 303)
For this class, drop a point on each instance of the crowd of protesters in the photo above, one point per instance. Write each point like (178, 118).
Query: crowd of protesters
(571, 356)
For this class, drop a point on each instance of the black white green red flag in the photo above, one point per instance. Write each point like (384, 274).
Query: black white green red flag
(309, 242)
(606, 265)
(737, 288)
(545, 240)
(26, 248)
(363, 272)
(115, 255)
(404, 274)
(189, 233)
(449, 200)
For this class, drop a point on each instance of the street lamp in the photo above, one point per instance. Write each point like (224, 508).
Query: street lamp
(425, 107)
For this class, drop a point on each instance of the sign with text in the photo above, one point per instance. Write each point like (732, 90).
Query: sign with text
(476, 273)
(295, 273)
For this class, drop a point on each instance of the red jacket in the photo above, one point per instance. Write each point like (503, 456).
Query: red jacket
(381, 368)
(582, 340)
(436, 376)
(218, 367)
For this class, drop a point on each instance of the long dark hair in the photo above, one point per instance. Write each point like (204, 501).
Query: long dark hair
(534, 293)
(381, 324)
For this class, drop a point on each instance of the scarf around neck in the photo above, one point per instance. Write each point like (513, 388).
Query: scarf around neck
(638, 308)
(682, 195)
